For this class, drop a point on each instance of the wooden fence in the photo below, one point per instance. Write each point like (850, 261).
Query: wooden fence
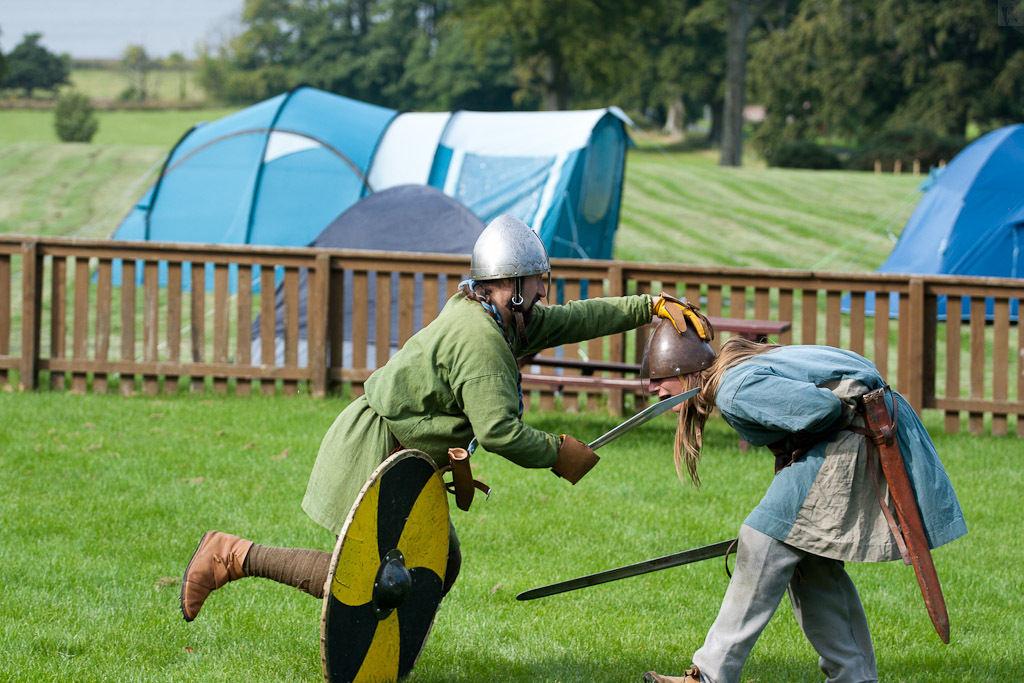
(156, 317)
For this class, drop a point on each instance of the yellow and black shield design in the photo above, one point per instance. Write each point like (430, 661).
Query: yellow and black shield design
(386, 573)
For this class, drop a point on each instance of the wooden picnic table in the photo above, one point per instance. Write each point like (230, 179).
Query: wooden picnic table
(754, 330)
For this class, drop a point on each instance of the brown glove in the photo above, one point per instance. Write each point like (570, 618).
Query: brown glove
(575, 459)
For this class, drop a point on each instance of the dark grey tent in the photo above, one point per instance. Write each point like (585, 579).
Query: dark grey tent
(402, 218)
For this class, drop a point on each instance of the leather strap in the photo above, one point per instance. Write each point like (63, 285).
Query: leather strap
(729, 551)
(786, 456)
(875, 438)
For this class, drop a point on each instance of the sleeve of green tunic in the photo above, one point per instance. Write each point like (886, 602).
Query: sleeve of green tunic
(578, 321)
(491, 401)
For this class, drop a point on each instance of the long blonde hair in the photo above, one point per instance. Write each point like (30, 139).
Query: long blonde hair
(694, 414)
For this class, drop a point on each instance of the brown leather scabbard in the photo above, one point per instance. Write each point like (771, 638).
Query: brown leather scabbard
(462, 484)
(882, 433)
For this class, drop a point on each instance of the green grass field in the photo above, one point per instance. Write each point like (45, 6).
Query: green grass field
(163, 84)
(147, 128)
(103, 500)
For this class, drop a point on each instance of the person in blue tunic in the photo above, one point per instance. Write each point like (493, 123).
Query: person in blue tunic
(823, 507)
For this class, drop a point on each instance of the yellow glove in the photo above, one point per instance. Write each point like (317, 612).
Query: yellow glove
(679, 312)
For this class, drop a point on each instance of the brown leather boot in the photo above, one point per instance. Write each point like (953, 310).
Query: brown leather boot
(691, 675)
(217, 560)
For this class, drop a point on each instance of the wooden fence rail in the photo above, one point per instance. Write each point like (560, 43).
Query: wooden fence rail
(93, 315)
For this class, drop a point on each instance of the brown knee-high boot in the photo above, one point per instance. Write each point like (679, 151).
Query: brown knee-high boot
(221, 558)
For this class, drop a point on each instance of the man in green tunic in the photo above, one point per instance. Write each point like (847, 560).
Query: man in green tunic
(455, 380)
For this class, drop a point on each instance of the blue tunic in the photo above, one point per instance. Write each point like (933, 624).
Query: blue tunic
(827, 502)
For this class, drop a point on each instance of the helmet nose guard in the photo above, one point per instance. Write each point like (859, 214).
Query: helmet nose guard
(671, 354)
(508, 248)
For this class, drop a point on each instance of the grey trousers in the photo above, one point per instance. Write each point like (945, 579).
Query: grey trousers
(824, 600)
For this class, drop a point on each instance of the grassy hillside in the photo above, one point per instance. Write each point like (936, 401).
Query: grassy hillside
(677, 206)
(683, 207)
(161, 127)
(52, 188)
(71, 189)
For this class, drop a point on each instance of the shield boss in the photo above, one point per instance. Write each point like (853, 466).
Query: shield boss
(386, 574)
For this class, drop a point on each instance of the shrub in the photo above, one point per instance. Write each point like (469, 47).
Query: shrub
(801, 154)
(906, 144)
(74, 118)
(131, 94)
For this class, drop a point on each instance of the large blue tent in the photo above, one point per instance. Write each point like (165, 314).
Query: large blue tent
(281, 171)
(971, 219)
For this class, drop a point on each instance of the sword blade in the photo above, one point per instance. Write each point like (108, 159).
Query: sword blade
(643, 416)
(657, 564)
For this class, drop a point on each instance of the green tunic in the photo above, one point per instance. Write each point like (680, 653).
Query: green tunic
(454, 379)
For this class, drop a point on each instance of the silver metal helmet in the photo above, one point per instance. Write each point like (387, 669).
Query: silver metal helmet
(508, 247)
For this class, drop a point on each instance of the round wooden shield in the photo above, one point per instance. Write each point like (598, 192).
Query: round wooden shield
(386, 574)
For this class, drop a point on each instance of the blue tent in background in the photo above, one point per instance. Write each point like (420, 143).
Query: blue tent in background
(971, 218)
(279, 172)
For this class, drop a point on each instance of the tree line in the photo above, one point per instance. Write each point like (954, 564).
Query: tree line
(834, 69)
(30, 67)
(839, 70)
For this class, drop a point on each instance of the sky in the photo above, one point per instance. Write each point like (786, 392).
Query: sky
(101, 29)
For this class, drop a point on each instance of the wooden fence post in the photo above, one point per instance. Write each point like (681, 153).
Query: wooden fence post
(929, 355)
(617, 344)
(5, 313)
(31, 313)
(915, 358)
(316, 316)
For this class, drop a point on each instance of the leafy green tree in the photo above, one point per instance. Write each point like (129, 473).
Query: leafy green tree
(847, 69)
(681, 63)
(950, 56)
(684, 65)
(443, 72)
(32, 67)
(3, 66)
(212, 70)
(74, 118)
(398, 53)
(137, 65)
(176, 62)
(364, 54)
(559, 47)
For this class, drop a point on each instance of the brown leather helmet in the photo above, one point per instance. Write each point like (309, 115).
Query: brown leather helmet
(671, 354)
